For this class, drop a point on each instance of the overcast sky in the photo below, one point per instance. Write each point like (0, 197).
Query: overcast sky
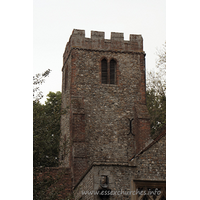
(53, 22)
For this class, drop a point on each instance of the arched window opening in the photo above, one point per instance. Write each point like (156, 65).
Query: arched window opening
(112, 71)
(104, 71)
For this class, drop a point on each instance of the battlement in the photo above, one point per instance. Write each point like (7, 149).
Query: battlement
(98, 42)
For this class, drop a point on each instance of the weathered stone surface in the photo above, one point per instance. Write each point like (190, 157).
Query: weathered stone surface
(150, 167)
(95, 128)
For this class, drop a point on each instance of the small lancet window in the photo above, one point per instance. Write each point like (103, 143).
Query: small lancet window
(112, 71)
(104, 71)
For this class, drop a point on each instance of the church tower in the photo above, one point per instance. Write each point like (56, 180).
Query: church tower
(105, 120)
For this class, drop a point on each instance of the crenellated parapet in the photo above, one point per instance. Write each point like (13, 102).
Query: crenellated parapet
(98, 42)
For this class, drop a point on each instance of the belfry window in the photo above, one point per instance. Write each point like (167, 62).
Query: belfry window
(112, 71)
(108, 72)
(104, 71)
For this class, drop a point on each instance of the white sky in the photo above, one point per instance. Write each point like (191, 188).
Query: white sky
(53, 22)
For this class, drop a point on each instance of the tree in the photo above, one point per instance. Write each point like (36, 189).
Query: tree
(38, 79)
(46, 131)
(156, 92)
(46, 136)
(46, 124)
(48, 184)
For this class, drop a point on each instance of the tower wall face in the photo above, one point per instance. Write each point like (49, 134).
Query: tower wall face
(96, 124)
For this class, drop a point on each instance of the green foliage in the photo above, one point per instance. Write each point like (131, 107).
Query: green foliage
(156, 93)
(38, 79)
(46, 131)
(156, 105)
(46, 138)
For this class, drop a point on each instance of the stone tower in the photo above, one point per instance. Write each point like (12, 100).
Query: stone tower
(105, 120)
